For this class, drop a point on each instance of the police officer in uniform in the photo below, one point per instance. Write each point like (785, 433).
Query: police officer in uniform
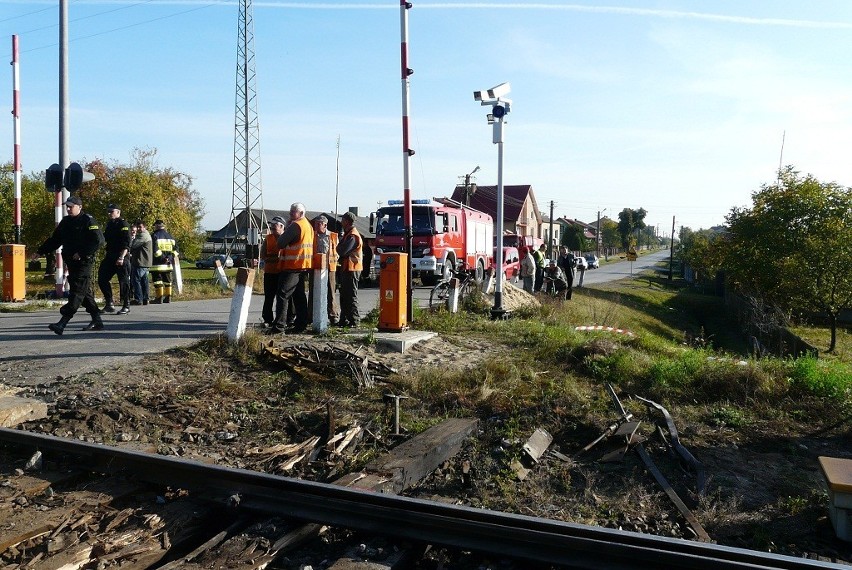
(117, 235)
(80, 238)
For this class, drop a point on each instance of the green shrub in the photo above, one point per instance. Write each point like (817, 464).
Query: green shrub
(821, 378)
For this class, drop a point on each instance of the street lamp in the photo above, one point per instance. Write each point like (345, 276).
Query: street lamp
(467, 185)
(500, 107)
(598, 235)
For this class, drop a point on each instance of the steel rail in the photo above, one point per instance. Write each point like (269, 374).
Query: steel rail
(514, 536)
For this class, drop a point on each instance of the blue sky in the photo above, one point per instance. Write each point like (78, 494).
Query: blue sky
(675, 106)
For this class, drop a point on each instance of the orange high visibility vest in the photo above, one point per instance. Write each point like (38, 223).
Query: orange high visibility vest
(299, 255)
(352, 262)
(331, 254)
(270, 259)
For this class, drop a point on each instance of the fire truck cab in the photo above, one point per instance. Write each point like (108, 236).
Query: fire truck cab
(447, 237)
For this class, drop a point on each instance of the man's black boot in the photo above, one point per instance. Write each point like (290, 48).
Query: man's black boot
(108, 308)
(94, 326)
(59, 327)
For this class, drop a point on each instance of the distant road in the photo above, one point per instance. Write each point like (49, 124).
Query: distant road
(623, 268)
(31, 354)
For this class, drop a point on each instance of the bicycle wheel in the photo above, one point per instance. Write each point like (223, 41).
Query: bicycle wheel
(439, 294)
(466, 289)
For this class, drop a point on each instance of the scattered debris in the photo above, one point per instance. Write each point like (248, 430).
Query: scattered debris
(325, 361)
(537, 444)
(603, 328)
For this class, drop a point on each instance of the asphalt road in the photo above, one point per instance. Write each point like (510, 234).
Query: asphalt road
(31, 354)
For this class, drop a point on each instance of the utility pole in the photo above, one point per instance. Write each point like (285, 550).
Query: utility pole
(550, 236)
(671, 250)
(467, 188)
(247, 186)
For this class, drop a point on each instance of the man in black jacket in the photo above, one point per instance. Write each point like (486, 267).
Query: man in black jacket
(117, 235)
(80, 238)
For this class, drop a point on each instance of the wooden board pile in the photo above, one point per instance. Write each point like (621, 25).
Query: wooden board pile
(326, 361)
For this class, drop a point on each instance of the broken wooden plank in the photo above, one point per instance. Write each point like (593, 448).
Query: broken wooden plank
(413, 460)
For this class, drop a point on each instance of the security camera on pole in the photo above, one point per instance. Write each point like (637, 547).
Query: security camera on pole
(500, 107)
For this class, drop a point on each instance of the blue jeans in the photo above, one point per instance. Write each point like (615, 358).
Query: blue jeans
(139, 283)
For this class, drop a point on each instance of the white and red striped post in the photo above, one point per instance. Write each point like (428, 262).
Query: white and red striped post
(406, 150)
(16, 114)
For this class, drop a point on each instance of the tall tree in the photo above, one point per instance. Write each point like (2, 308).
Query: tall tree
(793, 247)
(573, 238)
(142, 190)
(145, 190)
(610, 237)
(629, 221)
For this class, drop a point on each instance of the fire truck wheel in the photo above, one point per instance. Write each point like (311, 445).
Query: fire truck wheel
(479, 276)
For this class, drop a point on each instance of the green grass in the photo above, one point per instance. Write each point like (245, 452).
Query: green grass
(821, 339)
(684, 350)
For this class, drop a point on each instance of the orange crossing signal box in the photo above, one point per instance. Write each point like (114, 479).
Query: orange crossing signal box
(393, 292)
(14, 277)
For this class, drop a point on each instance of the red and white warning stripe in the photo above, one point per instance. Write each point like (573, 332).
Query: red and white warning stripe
(16, 113)
(605, 329)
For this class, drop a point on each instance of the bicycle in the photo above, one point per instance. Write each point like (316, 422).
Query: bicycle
(441, 292)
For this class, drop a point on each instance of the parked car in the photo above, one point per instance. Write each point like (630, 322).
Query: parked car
(511, 263)
(211, 261)
(592, 261)
(243, 261)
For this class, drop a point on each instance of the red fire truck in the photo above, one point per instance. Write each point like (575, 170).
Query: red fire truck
(447, 237)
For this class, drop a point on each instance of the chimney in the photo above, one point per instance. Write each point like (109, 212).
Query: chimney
(354, 209)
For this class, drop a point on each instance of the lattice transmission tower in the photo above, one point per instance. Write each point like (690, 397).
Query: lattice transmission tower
(248, 218)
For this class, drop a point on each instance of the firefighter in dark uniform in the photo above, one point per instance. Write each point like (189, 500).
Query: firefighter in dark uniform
(117, 235)
(80, 238)
(164, 255)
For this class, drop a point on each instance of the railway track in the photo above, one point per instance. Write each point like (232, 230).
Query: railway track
(261, 516)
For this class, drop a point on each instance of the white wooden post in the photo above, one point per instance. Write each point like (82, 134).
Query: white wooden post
(240, 304)
(453, 297)
(320, 315)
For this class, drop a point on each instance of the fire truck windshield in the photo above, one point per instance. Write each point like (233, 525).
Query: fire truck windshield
(391, 222)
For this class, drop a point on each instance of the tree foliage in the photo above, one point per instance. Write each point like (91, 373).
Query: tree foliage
(610, 238)
(701, 251)
(146, 191)
(629, 221)
(793, 247)
(574, 238)
(141, 189)
(34, 199)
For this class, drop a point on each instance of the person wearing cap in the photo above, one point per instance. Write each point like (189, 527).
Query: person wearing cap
(325, 242)
(141, 259)
(297, 243)
(269, 259)
(566, 262)
(349, 250)
(80, 237)
(554, 280)
(117, 235)
(164, 255)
